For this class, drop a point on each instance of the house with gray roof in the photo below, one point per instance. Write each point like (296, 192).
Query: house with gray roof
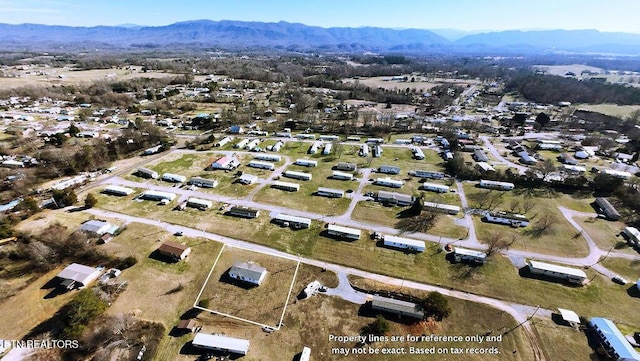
(248, 272)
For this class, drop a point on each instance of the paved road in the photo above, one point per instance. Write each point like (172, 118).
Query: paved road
(338, 269)
(496, 154)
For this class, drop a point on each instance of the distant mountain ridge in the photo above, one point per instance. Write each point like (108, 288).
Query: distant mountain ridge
(295, 36)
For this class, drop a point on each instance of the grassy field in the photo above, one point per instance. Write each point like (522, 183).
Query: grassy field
(624, 267)
(559, 238)
(606, 234)
(29, 307)
(64, 76)
(614, 110)
(420, 83)
(562, 343)
(233, 298)
(376, 213)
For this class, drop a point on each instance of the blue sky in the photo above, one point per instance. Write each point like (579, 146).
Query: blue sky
(612, 15)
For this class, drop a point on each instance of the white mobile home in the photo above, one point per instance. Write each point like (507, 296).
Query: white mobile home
(375, 140)
(617, 173)
(268, 157)
(341, 175)
(428, 174)
(203, 182)
(343, 232)
(402, 141)
(353, 139)
(222, 142)
(417, 153)
(388, 169)
(252, 144)
(221, 343)
(511, 219)
(286, 186)
(147, 173)
(364, 150)
(574, 169)
(403, 243)
(388, 182)
(241, 144)
(560, 272)
(297, 175)
(261, 165)
(292, 221)
(327, 149)
(117, 190)
(157, 196)
(484, 167)
(469, 255)
(330, 192)
(198, 203)
(276, 147)
(503, 186)
(282, 134)
(305, 355)
(393, 198)
(247, 178)
(174, 178)
(434, 187)
(313, 149)
(306, 162)
(633, 235)
(442, 208)
(305, 136)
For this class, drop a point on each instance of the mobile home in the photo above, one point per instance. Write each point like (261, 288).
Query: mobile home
(364, 150)
(607, 209)
(221, 343)
(345, 166)
(117, 190)
(469, 255)
(341, 175)
(330, 192)
(489, 184)
(434, 187)
(174, 178)
(417, 153)
(396, 199)
(388, 182)
(442, 208)
(198, 203)
(268, 157)
(568, 274)
(292, 221)
(428, 174)
(388, 169)
(203, 182)
(511, 219)
(327, 149)
(306, 162)
(261, 165)
(241, 144)
(147, 173)
(286, 186)
(343, 232)
(297, 175)
(244, 212)
(412, 245)
(157, 196)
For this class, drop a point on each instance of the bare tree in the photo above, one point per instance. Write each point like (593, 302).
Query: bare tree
(545, 168)
(497, 242)
(420, 223)
(527, 205)
(514, 205)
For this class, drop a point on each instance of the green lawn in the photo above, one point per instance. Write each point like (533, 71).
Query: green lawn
(559, 238)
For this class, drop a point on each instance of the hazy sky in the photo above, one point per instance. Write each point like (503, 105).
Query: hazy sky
(611, 15)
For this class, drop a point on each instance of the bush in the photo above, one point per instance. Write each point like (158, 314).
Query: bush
(204, 303)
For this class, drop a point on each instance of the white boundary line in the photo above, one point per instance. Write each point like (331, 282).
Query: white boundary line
(293, 280)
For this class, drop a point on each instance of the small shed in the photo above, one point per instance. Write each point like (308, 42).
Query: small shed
(569, 317)
(187, 325)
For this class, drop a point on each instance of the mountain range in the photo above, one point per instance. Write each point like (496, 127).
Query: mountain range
(228, 34)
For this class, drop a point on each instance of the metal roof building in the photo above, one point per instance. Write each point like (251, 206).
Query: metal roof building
(612, 340)
(551, 270)
(221, 343)
(397, 307)
(78, 274)
(609, 210)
